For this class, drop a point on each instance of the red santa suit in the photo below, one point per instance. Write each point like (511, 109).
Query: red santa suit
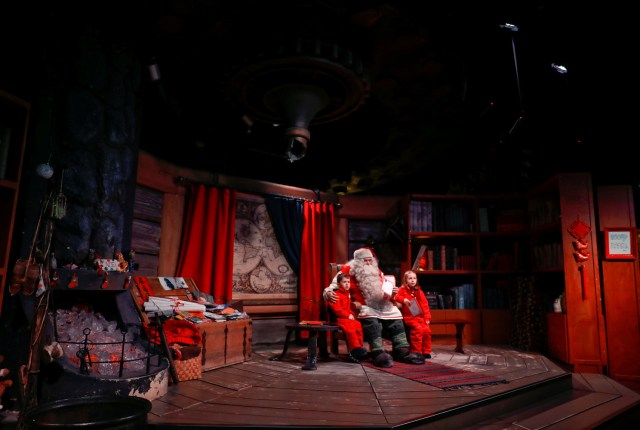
(419, 328)
(351, 327)
(377, 305)
(373, 291)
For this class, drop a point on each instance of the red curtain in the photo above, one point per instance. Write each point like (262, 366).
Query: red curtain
(318, 250)
(206, 249)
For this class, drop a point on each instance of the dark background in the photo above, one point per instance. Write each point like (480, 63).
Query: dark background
(447, 85)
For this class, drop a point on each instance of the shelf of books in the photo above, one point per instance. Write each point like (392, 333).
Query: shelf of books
(547, 261)
(467, 252)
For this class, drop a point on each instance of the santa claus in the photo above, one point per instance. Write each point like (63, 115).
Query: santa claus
(372, 294)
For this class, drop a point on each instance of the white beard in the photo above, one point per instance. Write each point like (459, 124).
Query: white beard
(370, 283)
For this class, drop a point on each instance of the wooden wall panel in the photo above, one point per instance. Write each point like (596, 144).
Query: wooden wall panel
(585, 324)
(160, 177)
(148, 204)
(146, 229)
(557, 340)
(171, 232)
(147, 265)
(616, 208)
(621, 290)
(146, 237)
(622, 313)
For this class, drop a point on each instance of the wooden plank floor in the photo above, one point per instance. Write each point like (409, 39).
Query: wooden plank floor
(279, 394)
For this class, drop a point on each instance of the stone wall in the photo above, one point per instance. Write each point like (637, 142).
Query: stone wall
(91, 127)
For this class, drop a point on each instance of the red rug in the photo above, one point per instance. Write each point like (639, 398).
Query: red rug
(438, 375)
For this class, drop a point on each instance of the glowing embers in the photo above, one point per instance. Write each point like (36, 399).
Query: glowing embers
(95, 346)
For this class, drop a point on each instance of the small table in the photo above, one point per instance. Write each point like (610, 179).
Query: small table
(312, 351)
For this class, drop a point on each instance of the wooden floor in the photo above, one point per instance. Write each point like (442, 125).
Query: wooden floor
(341, 394)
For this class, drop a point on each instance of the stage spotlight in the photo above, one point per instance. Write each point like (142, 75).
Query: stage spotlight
(154, 70)
(509, 27)
(559, 68)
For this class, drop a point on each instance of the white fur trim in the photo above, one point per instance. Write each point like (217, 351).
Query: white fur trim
(388, 312)
(362, 253)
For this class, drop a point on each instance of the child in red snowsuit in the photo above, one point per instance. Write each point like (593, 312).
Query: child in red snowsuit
(417, 315)
(346, 319)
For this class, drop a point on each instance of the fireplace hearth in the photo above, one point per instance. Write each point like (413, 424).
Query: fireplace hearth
(100, 344)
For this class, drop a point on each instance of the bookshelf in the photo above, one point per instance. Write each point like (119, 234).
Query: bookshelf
(468, 252)
(564, 261)
(14, 120)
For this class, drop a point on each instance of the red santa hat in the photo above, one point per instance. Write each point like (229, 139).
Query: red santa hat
(362, 253)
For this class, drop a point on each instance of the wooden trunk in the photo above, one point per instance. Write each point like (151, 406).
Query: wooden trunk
(225, 343)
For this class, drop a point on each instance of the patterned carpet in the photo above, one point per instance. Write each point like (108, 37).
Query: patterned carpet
(439, 375)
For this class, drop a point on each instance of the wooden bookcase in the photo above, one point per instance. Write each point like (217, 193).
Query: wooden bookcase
(14, 121)
(468, 252)
(565, 262)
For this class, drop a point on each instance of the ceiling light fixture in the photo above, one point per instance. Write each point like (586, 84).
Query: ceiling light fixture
(296, 104)
(308, 82)
(296, 147)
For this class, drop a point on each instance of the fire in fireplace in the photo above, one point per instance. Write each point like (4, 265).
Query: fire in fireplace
(97, 343)
(96, 346)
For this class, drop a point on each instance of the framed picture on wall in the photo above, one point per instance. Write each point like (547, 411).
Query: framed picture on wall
(620, 243)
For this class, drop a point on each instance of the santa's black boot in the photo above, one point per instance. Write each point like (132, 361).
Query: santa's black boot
(381, 358)
(400, 354)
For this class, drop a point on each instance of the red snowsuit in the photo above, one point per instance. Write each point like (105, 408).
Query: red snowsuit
(419, 329)
(352, 328)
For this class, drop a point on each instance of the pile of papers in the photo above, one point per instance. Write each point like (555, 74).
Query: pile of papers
(167, 306)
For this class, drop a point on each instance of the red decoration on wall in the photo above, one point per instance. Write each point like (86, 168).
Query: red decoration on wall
(579, 229)
(581, 256)
(583, 282)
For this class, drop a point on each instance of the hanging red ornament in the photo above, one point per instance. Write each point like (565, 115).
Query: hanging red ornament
(54, 279)
(579, 229)
(74, 280)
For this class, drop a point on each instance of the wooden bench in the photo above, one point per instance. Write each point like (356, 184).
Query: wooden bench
(458, 336)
